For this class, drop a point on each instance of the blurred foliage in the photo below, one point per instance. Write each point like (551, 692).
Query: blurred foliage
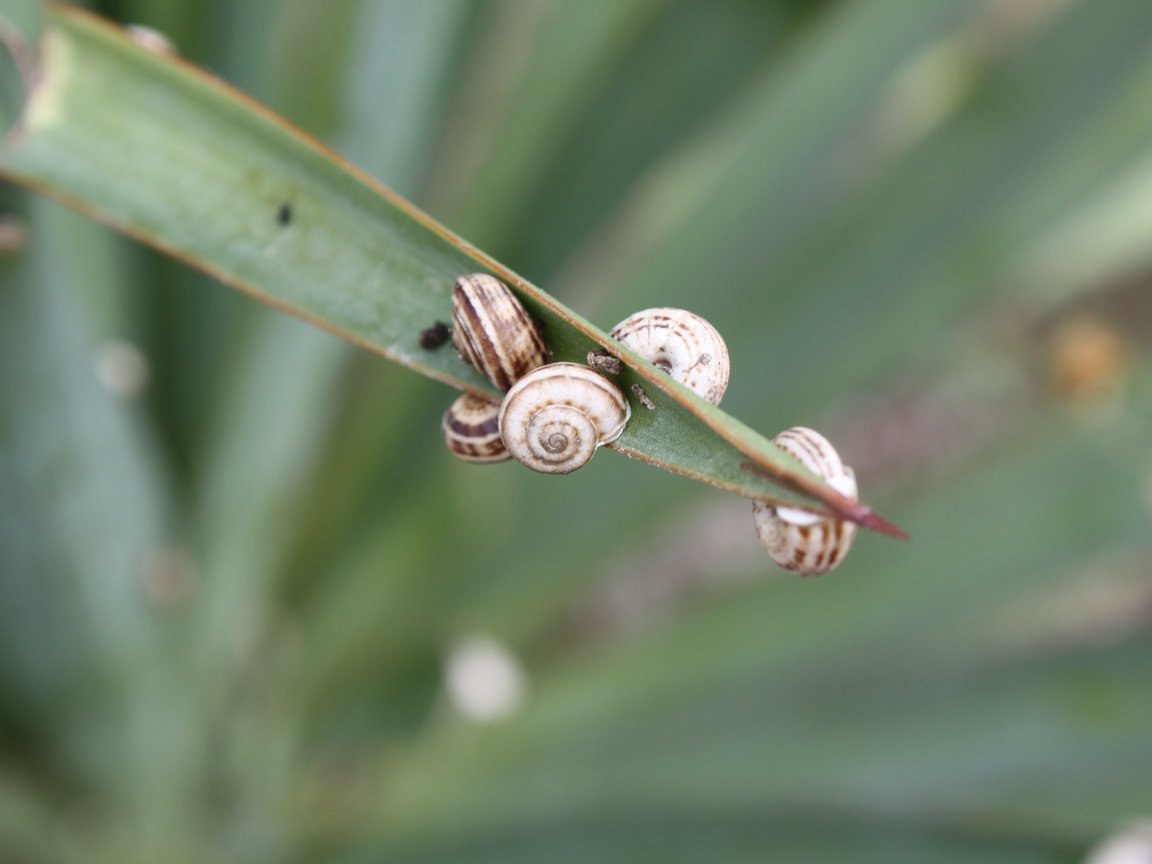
(235, 559)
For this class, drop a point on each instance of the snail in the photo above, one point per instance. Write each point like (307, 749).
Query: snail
(493, 332)
(682, 344)
(555, 417)
(798, 540)
(471, 430)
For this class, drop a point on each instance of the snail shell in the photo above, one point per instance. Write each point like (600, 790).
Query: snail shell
(555, 417)
(682, 344)
(472, 431)
(493, 332)
(800, 541)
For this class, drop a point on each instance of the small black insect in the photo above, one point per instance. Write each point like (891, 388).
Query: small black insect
(284, 214)
(434, 336)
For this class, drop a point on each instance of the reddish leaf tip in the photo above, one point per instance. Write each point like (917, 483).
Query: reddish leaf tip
(874, 521)
(845, 507)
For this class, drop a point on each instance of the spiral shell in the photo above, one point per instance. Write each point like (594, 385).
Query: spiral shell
(682, 344)
(493, 332)
(797, 540)
(555, 417)
(472, 431)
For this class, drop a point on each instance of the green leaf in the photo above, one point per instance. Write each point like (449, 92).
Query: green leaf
(89, 560)
(512, 115)
(733, 837)
(19, 31)
(177, 160)
(76, 465)
(865, 211)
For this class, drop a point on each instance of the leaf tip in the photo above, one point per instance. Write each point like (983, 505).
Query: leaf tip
(872, 520)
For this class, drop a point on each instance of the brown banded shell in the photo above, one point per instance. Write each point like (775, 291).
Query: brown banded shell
(471, 429)
(492, 331)
(796, 539)
(555, 417)
(682, 344)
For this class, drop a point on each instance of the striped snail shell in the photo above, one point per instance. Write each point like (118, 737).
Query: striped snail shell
(682, 344)
(555, 417)
(493, 332)
(798, 540)
(471, 430)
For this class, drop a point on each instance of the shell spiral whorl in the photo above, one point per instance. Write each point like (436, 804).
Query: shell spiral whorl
(555, 417)
(682, 344)
(472, 431)
(797, 540)
(492, 331)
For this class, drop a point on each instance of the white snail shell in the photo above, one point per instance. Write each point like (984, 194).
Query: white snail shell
(492, 331)
(472, 431)
(682, 344)
(797, 540)
(555, 417)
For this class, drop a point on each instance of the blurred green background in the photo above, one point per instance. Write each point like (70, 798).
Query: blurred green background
(251, 611)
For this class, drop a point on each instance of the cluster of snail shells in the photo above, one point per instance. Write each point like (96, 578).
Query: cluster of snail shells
(798, 540)
(553, 417)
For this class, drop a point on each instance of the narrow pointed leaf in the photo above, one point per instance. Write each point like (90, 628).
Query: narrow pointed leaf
(178, 160)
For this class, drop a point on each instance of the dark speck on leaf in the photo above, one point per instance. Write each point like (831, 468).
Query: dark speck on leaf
(434, 336)
(284, 214)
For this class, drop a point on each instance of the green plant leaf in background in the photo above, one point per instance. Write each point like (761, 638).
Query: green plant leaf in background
(239, 574)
